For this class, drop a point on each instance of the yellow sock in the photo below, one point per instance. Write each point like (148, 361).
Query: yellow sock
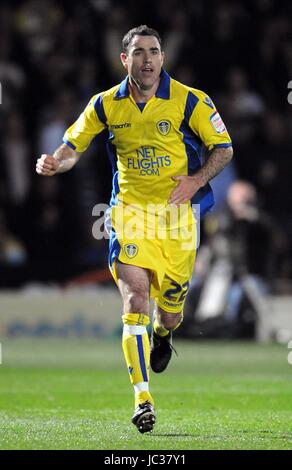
(159, 330)
(137, 354)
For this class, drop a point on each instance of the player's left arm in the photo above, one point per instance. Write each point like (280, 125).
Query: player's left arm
(207, 124)
(188, 185)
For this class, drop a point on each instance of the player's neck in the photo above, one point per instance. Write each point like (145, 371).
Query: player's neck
(140, 95)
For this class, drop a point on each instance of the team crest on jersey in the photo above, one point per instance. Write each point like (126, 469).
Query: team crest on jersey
(131, 250)
(164, 127)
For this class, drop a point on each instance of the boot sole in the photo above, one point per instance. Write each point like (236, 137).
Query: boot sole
(145, 422)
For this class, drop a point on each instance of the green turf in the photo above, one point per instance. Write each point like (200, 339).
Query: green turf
(75, 394)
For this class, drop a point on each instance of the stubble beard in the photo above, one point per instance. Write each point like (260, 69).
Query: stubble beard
(141, 85)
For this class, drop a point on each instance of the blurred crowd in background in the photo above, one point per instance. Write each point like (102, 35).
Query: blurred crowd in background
(55, 55)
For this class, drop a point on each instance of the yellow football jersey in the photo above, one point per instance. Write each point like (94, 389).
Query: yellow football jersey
(148, 147)
(149, 144)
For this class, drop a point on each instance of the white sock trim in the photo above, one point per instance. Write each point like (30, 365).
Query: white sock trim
(141, 387)
(134, 329)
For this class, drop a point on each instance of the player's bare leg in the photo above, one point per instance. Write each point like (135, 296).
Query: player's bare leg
(134, 286)
(167, 321)
(161, 338)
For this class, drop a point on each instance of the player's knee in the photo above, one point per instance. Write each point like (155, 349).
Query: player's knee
(170, 320)
(137, 301)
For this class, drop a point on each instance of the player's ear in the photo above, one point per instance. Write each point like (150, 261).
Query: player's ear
(162, 57)
(124, 59)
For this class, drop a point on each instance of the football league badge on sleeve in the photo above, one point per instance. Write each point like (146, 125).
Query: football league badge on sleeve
(164, 127)
(131, 250)
(217, 123)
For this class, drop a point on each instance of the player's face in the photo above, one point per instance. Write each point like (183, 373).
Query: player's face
(143, 61)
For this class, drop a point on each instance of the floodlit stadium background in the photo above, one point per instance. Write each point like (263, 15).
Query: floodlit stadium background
(53, 57)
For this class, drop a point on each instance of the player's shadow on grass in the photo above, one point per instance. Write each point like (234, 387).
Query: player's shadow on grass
(168, 434)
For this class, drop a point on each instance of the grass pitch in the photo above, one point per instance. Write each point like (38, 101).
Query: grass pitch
(75, 394)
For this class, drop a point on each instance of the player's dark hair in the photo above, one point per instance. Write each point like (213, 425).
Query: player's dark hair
(141, 30)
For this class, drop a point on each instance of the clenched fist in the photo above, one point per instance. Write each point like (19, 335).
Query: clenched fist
(47, 165)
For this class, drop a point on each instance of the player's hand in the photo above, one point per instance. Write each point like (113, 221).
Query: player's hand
(47, 165)
(185, 190)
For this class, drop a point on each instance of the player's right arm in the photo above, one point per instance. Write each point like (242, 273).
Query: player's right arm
(76, 140)
(64, 159)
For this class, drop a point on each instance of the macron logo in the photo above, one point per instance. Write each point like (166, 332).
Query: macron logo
(121, 126)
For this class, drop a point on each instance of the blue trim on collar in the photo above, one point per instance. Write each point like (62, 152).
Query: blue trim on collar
(163, 90)
(123, 91)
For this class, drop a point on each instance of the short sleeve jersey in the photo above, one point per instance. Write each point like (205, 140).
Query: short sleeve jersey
(147, 148)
